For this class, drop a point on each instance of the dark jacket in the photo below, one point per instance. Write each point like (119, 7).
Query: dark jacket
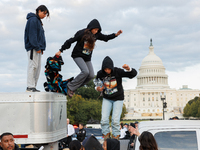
(132, 140)
(81, 135)
(127, 136)
(34, 37)
(79, 50)
(92, 143)
(113, 144)
(113, 82)
(16, 147)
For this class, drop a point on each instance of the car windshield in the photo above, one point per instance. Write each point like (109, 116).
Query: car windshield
(90, 131)
(95, 132)
(176, 140)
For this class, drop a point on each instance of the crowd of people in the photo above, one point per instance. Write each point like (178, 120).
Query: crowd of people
(129, 132)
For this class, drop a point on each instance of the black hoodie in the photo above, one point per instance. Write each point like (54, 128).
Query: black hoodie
(113, 82)
(79, 50)
(113, 144)
(92, 144)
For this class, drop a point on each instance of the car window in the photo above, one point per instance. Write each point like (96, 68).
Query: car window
(88, 132)
(95, 132)
(176, 140)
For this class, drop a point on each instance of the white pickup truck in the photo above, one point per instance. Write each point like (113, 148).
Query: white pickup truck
(173, 134)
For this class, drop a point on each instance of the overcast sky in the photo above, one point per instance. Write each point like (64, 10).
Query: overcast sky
(173, 25)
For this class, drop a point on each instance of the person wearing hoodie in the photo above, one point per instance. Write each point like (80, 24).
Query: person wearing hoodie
(111, 144)
(7, 142)
(91, 143)
(85, 41)
(35, 44)
(76, 145)
(109, 82)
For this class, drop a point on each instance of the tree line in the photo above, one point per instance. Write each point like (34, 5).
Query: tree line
(192, 108)
(85, 105)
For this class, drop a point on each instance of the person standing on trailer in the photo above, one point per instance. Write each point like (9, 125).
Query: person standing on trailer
(82, 52)
(35, 44)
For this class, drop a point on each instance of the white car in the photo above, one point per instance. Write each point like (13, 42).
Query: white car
(171, 134)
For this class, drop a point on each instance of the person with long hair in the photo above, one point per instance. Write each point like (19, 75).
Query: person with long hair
(85, 41)
(147, 141)
(35, 44)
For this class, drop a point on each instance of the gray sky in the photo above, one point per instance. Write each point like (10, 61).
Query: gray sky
(173, 26)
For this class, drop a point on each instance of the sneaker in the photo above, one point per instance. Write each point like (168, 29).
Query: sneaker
(70, 93)
(31, 90)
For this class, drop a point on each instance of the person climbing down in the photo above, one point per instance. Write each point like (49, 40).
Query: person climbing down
(35, 44)
(85, 42)
(109, 82)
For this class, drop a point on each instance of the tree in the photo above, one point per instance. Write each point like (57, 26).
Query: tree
(192, 108)
(80, 110)
(124, 111)
(198, 114)
(88, 91)
(187, 110)
(73, 109)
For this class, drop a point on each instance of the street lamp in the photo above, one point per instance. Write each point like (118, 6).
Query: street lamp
(163, 99)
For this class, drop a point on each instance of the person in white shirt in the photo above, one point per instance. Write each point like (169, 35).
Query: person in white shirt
(122, 131)
(70, 132)
(64, 143)
(126, 127)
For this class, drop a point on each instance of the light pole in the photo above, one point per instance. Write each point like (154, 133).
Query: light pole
(163, 99)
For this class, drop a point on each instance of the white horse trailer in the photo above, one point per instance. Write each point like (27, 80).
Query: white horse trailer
(34, 117)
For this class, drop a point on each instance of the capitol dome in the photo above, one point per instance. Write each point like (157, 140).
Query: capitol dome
(152, 72)
(151, 59)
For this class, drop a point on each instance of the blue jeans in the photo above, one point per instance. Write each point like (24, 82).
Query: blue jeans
(107, 106)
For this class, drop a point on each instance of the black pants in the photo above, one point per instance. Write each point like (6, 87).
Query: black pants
(64, 143)
(69, 139)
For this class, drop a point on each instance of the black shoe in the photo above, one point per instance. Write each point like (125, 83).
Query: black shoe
(32, 90)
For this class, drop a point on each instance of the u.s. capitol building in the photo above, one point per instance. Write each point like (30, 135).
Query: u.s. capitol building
(145, 102)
